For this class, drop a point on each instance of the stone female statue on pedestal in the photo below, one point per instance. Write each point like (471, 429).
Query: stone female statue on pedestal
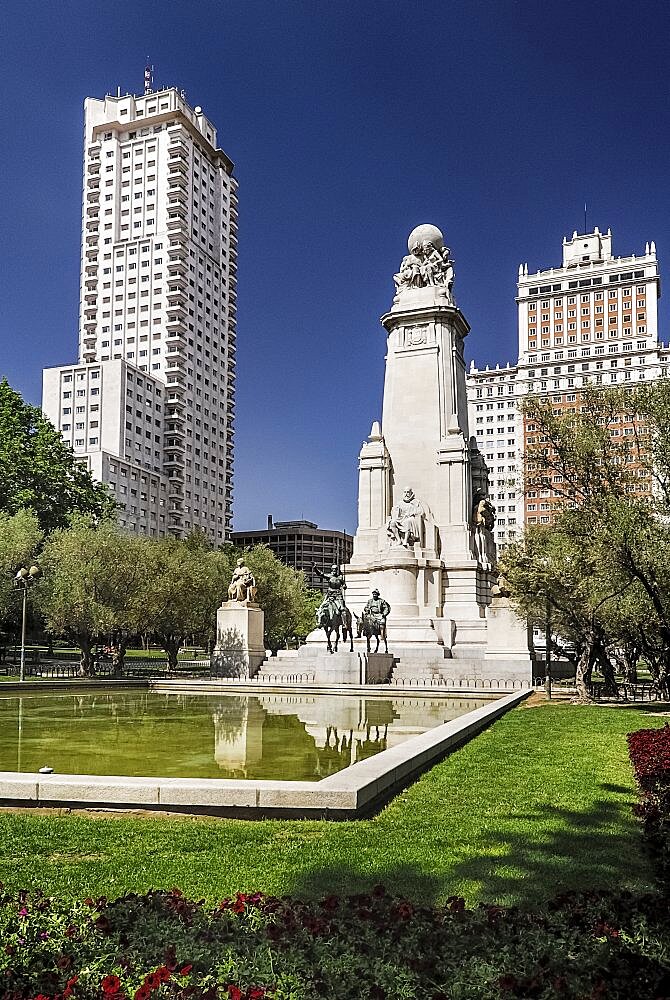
(243, 585)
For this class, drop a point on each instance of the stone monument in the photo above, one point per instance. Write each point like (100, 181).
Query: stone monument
(425, 534)
(240, 648)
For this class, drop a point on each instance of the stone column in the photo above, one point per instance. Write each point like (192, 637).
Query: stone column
(373, 494)
(424, 421)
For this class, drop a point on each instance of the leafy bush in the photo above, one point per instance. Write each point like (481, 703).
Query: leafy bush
(372, 946)
(650, 753)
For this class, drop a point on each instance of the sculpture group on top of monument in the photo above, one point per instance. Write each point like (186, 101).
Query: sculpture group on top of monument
(483, 523)
(243, 585)
(404, 526)
(427, 263)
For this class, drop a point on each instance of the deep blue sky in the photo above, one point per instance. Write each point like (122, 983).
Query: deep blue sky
(349, 123)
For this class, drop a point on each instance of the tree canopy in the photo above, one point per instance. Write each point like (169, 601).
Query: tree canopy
(101, 581)
(92, 584)
(20, 536)
(183, 582)
(288, 603)
(38, 470)
(603, 566)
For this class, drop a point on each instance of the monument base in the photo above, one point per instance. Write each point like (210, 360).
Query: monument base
(318, 666)
(240, 648)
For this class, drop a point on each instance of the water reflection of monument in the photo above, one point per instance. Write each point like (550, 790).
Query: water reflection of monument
(315, 737)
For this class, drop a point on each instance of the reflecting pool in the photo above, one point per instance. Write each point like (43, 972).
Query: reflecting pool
(299, 737)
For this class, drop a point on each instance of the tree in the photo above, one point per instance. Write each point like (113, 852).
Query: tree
(92, 586)
(38, 470)
(20, 536)
(604, 564)
(183, 583)
(553, 573)
(186, 580)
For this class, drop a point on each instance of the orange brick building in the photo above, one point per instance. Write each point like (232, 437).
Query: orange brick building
(593, 320)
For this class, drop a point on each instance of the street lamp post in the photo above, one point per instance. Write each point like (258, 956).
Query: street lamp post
(547, 640)
(24, 579)
(545, 563)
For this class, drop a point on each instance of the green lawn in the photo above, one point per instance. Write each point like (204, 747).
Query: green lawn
(538, 803)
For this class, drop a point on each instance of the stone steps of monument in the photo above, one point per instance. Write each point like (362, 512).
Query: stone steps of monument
(287, 670)
(451, 675)
(415, 673)
(468, 652)
(320, 667)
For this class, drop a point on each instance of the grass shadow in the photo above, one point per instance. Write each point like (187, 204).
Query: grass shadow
(404, 880)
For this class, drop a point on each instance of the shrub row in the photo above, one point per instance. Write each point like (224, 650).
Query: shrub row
(650, 753)
(375, 947)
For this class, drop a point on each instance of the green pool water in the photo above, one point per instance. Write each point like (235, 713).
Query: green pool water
(265, 736)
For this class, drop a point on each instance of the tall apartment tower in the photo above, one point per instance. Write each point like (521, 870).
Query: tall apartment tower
(591, 321)
(150, 405)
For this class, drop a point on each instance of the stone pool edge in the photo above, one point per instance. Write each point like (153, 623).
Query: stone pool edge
(351, 793)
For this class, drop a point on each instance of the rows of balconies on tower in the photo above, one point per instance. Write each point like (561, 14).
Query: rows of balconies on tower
(90, 248)
(174, 440)
(178, 228)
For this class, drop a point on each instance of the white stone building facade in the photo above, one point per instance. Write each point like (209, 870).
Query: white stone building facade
(157, 305)
(112, 415)
(495, 425)
(591, 321)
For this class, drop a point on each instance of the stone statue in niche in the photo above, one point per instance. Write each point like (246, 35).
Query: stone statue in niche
(406, 521)
(428, 262)
(243, 585)
(483, 523)
(500, 587)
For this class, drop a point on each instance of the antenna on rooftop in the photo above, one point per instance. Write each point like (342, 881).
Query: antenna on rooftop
(148, 78)
(585, 229)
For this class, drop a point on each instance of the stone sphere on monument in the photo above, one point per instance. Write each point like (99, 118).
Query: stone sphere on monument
(425, 234)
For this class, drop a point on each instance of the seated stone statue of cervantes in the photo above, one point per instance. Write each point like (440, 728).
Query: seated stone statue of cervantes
(404, 527)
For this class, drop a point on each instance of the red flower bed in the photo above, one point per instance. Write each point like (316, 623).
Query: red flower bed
(649, 751)
(369, 946)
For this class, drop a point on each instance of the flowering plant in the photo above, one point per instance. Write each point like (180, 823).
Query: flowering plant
(649, 751)
(164, 946)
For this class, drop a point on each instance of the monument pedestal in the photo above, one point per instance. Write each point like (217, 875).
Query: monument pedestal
(240, 648)
(315, 665)
(507, 644)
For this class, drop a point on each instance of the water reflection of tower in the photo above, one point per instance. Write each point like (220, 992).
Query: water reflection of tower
(238, 735)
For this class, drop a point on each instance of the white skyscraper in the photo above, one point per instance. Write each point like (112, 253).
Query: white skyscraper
(150, 406)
